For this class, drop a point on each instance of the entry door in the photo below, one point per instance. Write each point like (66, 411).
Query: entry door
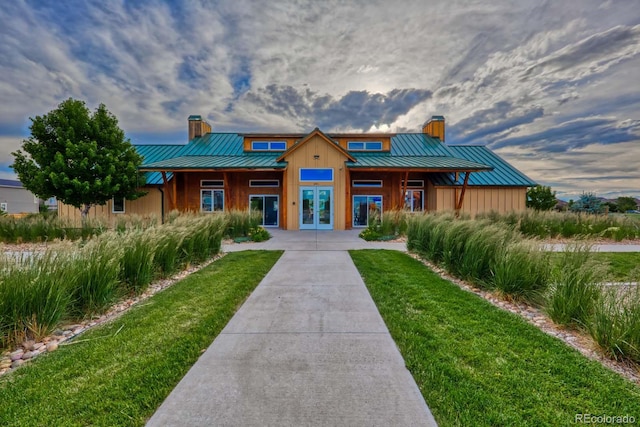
(316, 208)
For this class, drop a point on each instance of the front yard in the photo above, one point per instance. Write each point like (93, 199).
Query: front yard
(478, 365)
(118, 374)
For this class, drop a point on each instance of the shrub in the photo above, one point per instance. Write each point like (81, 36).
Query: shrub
(259, 234)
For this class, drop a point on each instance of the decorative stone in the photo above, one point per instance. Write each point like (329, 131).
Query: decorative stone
(6, 363)
(17, 363)
(58, 332)
(28, 355)
(28, 345)
(38, 346)
(16, 355)
(52, 346)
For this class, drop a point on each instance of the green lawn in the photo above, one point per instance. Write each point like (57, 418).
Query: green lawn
(119, 374)
(478, 365)
(622, 266)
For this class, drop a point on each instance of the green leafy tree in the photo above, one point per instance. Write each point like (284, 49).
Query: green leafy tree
(541, 198)
(82, 159)
(613, 207)
(626, 204)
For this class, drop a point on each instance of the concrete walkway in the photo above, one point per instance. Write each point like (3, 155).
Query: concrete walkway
(307, 348)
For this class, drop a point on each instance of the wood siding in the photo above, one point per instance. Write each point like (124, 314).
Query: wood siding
(480, 199)
(148, 206)
(303, 157)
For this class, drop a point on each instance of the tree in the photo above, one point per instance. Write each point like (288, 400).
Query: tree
(588, 202)
(82, 159)
(626, 204)
(541, 198)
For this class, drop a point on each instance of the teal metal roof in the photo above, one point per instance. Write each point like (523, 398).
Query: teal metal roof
(503, 174)
(417, 144)
(248, 161)
(418, 162)
(408, 150)
(154, 153)
(214, 144)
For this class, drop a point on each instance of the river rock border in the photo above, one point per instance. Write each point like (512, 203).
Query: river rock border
(575, 339)
(30, 349)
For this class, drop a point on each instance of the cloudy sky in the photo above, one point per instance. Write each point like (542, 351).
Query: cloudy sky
(551, 86)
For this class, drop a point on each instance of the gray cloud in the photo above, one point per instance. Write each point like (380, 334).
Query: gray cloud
(354, 110)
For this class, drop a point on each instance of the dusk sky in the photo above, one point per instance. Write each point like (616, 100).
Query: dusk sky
(551, 86)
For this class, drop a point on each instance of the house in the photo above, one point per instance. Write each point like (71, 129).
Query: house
(15, 199)
(330, 181)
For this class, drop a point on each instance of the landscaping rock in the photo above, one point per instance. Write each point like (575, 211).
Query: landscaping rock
(28, 345)
(17, 363)
(52, 346)
(28, 355)
(38, 346)
(16, 355)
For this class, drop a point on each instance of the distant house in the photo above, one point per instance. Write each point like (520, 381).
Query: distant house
(15, 199)
(320, 180)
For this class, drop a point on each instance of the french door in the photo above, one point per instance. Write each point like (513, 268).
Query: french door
(316, 208)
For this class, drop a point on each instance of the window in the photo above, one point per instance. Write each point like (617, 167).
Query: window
(367, 183)
(413, 183)
(117, 205)
(211, 200)
(316, 174)
(264, 183)
(366, 208)
(268, 145)
(364, 145)
(414, 200)
(267, 205)
(3, 206)
(211, 183)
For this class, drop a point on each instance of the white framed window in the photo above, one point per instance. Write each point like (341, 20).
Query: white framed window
(211, 183)
(413, 183)
(3, 207)
(211, 200)
(268, 145)
(316, 174)
(364, 145)
(377, 183)
(117, 205)
(264, 183)
(414, 200)
(364, 207)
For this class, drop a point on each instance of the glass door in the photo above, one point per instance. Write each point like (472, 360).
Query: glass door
(316, 208)
(268, 207)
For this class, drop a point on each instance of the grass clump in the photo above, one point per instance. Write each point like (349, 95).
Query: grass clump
(94, 282)
(477, 365)
(615, 324)
(574, 292)
(34, 295)
(241, 222)
(387, 226)
(120, 372)
(136, 262)
(521, 271)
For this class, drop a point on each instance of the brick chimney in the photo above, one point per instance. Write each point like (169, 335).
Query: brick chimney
(197, 127)
(435, 127)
